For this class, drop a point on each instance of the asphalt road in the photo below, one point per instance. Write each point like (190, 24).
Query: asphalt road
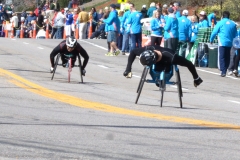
(53, 119)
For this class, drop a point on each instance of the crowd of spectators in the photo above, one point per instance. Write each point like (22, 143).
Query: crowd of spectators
(122, 27)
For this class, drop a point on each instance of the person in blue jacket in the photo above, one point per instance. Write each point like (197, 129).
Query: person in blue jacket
(212, 18)
(120, 37)
(171, 31)
(226, 30)
(184, 32)
(194, 32)
(113, 29)
(203, 21)
(177, 10)
(135, 28)
(156, 28)
(125, 28)
(151, 9)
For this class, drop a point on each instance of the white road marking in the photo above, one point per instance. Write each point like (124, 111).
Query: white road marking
(234, 101)
(13, 39)
(95, 45)
(217, 73)
(40, 48)
(184, 89)
(136, 76)
(25, 43)
(102, 66)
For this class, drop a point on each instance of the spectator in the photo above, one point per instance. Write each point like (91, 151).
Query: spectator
(40, 22)
(144, 11)
(203, 21)
(212, 19)
(83, 18)
(113, 28)
(75, 3)
(75, 17)
(69, 22)
(135, 27)
(24, 14)
(226, 30)
(70, 4)
(59, 21)
(177, 9)
(14, 21)
(194, 32)
(156, 28)
(165, 6)
(100, 14)
(1, 22)
(54, 24)
(151, 9)
(30, 18)
(184, 31)
(120, 37)
(94, 18)
(195, 14)
(171, 29)
(106, 9)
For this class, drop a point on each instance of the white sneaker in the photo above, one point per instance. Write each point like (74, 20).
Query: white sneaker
(127, 54)
(230, 73)
(51, 70)
(235, 72)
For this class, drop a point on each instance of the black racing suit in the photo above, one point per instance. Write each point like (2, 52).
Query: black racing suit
(169, 58)
(62, 49)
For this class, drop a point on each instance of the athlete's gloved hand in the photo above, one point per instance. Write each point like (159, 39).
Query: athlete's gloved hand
(127, 74)
(83, 72)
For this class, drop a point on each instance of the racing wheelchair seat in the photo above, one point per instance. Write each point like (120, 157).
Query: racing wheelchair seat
(161, 78)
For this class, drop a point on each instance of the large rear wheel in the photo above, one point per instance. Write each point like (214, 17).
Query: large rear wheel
(141, 83)
(141, 79)
(179, 87)
(55, 65)
(80, 68)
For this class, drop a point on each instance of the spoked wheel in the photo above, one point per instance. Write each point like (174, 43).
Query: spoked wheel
(179, 87)
(162, 85)
(80, 68)
(69, 69)
(141, 83)
(141, 78)
(55, 65)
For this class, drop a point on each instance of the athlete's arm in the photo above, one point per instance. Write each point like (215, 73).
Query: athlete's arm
(84, 54)
(54, 52)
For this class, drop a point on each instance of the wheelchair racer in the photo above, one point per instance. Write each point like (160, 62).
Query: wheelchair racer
(163, 58)
(69, 46)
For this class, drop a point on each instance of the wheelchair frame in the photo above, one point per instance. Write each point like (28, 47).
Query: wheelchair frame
(69, 64)
(161, 78)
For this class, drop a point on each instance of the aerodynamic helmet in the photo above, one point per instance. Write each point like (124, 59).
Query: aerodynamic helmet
(147, 57)
(71, 42)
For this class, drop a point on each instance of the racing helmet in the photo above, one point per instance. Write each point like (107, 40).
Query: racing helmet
(71, 41)
(147, 58)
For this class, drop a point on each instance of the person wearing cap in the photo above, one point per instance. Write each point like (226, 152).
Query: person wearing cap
(163, 58)
(83, 18)
(113, 29)
(171, 30)
(165, 6)
(184, 32)
(59, 22)
(212, 18)
(226, 30)
(194, 33)
(203, 21)
(69, 22)
(29, 18)
(144, 11)
(135, 28)
(176, 9)
(151, 9)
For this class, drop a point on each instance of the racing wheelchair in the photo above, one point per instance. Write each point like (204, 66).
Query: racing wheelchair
(161, 78)
(69, 59)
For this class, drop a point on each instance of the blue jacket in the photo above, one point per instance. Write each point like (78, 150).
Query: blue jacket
(184, 29)
(134, 21)
(150, 11)
(210, 18)
(194, 32)
(95, 18)
(226, 30)
(178, 14)
(124, 25)
(112, 22)
(203, 23)
(29, 19)
(171, 27)
(69, 19)
(156, 28)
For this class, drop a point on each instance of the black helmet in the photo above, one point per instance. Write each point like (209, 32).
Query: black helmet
(147, 57)
(71, 41)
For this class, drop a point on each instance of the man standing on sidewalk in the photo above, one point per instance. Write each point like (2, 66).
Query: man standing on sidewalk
(226, 30)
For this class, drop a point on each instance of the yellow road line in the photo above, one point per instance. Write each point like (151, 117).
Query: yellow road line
(32, 87)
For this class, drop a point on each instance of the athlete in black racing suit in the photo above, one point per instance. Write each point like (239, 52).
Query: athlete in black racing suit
(163, 58)
(69, 46)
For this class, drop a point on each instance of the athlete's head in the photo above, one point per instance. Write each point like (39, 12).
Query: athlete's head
(148, 57)
(71, 43)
